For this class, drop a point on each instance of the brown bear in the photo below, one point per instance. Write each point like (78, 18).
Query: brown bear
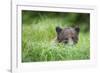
(67, 35)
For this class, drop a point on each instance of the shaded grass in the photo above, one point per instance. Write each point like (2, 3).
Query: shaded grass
(37, 43)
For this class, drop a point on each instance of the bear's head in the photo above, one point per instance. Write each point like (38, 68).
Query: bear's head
(67, 35)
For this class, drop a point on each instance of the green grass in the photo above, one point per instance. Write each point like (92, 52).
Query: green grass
(38, 43)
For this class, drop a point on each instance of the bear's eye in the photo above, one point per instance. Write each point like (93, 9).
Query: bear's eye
(72, 37)
(66, 38)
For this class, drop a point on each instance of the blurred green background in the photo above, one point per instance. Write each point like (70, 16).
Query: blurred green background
(67, 19)
(38, 32)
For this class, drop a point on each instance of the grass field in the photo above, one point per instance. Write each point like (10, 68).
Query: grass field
(38, 43)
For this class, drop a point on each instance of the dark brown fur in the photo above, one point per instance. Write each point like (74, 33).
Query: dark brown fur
(67, 35)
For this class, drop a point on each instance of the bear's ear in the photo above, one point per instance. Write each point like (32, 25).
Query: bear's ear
(77, 29)
(58, 29)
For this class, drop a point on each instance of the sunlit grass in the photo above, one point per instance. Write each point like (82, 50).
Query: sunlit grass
(38, 43)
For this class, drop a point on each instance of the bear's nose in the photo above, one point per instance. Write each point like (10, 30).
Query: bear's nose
(66, 42)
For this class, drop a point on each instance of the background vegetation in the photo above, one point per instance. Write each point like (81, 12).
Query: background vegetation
(38, 33)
